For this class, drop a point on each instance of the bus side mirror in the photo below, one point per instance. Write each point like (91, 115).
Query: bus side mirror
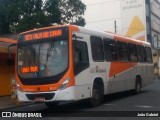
(10, 60)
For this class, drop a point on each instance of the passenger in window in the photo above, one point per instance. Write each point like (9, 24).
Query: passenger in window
(76, 56)
(133, 58)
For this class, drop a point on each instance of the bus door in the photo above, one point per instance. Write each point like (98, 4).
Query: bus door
(81, 65)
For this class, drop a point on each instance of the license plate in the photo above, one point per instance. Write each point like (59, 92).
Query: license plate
(40, 99)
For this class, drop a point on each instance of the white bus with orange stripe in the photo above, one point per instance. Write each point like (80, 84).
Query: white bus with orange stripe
(70, 63)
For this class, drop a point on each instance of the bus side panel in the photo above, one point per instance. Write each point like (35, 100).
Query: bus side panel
(149, 75)
(121, 79)
(83, 85)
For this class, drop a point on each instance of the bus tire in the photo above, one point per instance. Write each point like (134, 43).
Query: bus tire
(138, 86)
(97, 96)
(51, 104)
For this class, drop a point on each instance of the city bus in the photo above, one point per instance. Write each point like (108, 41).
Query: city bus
(71, 63)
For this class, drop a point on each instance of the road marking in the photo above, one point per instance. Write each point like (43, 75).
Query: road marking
(139, 106)
(32, 105)
(144, 106)
(108, 104)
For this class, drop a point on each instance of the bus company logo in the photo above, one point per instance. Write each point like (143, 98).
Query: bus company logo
(94, 70)
(97, 70)
(6, 114)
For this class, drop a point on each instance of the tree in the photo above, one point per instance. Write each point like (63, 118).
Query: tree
(22, 15)
(31, 15)
(8, 15)
(52, 11)
(19, 15)
(72, 11)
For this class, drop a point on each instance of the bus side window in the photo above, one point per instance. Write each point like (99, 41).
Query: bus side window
(122, 51)
(110, 49)
(80, 53)
(97, 49)
(148, 55)
(141, 54)
(133, 52)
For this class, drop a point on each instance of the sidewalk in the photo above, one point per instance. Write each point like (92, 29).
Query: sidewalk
(157, 80)
(6, 102)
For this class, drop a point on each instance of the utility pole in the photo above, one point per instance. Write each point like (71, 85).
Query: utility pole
(158, 55)
(115, 26)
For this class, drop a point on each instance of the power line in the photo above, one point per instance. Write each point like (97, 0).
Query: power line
(103, 20)
(102, 2)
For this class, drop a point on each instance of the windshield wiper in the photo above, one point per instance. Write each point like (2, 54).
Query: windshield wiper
(49, 51)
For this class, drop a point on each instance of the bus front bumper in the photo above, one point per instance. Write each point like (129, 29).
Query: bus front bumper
(67, 94)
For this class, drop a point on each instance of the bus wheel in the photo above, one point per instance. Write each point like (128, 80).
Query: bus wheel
(97, 95)
(51, 104)
(137, 89)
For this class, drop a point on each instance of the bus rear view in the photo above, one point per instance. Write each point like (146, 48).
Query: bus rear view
(44, 69)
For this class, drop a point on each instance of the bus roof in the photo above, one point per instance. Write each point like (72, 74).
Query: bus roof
(58, 26)
(114, 36)
(94, 32)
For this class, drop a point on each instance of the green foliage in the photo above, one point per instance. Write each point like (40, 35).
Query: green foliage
(21, 15)
(72, 11)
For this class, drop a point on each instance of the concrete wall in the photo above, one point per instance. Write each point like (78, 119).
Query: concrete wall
(155, 33)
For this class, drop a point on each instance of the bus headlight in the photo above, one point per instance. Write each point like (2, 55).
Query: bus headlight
(64, 84)
(19, 88)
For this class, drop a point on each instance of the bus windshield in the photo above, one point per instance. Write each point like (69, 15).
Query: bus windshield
(43, 59)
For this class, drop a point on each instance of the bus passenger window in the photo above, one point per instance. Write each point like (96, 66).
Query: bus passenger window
(133, 52)
(141, 54)
(110, 49)
(97, 48)
(122, 51)
(81, 60)
(149, 55)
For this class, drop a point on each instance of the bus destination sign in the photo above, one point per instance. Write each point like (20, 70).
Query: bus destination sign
(43, 35)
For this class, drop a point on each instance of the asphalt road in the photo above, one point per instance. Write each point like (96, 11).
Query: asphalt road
(115, 107)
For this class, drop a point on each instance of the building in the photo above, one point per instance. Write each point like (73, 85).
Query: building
(139, 19)
(153, 34)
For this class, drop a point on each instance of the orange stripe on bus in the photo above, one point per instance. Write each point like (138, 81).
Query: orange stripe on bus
(119, 67)
(127, 40)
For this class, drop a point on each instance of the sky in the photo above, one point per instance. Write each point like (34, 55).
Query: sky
(100, 14)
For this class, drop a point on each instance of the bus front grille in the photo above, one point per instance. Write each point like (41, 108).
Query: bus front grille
(47, 96)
